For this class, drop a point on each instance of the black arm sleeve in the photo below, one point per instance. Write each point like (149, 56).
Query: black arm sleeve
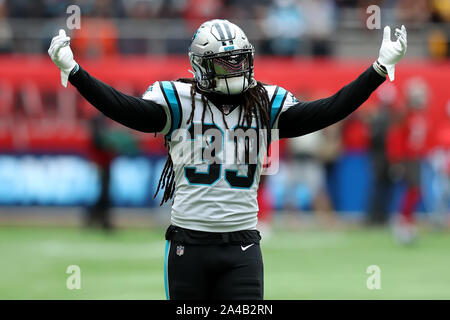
(307, 117)
(133, 112)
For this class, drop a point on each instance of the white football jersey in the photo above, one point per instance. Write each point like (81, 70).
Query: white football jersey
(220, 195)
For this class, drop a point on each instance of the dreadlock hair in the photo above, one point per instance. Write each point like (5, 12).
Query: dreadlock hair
(254, 102)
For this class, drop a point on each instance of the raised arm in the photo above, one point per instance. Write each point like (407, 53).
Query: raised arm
(133, 112)
(306, 117)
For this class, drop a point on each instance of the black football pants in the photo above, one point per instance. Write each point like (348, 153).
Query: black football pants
(218, 272)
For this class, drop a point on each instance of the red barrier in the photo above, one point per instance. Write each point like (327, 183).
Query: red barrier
(37, 113)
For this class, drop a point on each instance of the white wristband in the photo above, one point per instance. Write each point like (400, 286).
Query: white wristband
(381, 70)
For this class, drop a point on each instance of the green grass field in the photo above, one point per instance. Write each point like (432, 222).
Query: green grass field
(304, 264)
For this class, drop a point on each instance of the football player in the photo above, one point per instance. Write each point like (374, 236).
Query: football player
(212, 249)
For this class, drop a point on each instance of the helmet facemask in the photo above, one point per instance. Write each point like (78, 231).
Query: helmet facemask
(222, 64)
(228, 72)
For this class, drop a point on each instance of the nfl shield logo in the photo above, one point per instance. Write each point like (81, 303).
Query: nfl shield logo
(180, 250)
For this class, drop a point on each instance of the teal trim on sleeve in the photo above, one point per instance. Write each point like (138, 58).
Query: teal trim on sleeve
(277, 103)
(74, 70)
(173, 101)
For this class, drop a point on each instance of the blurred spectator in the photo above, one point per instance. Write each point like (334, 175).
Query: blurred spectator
(102, 154)
(438, 38)
(329, 153)
(107, 140)
(413, 12)
(6, 35)
(54, 8)
(284, 26)
(438, 44)
(143, 10)
(26, 8)
(198, 11)
(277, 27)
(440, 10)
(439, 158)
(306, 181)
(247, 9)
(98, 35)
(321, 24)
(412, 134)
(380, 121)
(355, 134)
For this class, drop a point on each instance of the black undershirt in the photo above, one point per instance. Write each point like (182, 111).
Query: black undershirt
(306, 117)
(300, 119)
(133, 112)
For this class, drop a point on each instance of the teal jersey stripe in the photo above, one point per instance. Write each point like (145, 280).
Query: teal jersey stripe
(166, 258)
(277, 104)
(174, 105)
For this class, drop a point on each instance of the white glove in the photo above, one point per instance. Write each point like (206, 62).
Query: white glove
(392, 52)
(62, 55)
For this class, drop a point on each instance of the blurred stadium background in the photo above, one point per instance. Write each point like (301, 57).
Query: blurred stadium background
(326, 216)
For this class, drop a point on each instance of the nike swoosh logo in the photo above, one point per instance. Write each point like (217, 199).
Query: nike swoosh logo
(246, 247)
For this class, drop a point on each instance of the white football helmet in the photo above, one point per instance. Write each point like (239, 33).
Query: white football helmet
(222, 58)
